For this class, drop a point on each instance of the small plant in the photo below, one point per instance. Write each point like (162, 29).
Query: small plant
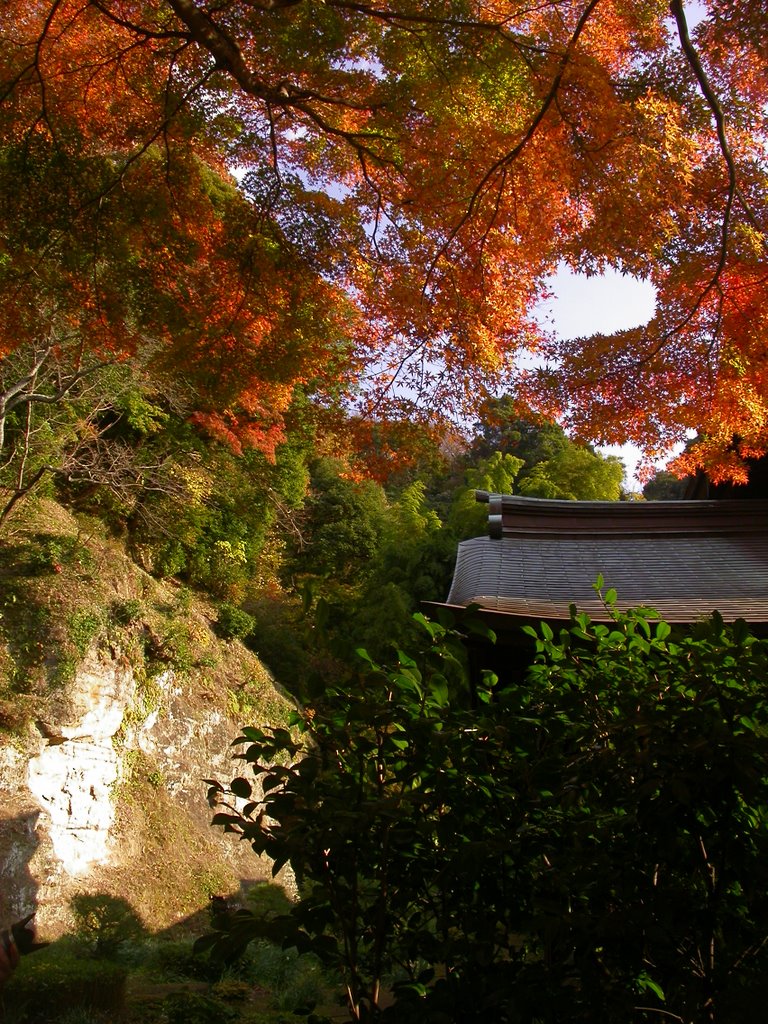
(103, 923)
(84, 626)
(183, 600)
(232, 989)
(193, 1008)
(178, 647)
(81, 1015)
(123, 613)
(245, 701)
(211, 883)
(64, 671)
(26, 632)
(233, 623)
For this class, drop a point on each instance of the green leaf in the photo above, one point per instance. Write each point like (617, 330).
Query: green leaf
(646, 983)
(241, 787)
(439, 690)
(362, 653)
(663, 629)
(433, 628)
(252, 735)
(399, 742)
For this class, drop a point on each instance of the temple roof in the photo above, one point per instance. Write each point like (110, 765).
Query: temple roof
(683, 558)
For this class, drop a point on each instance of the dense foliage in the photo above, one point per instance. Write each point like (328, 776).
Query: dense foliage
(248, 199)
(588, 845)
(358, 558)
(253, 256)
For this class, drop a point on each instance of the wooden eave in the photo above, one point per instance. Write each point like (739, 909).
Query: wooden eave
(509, 515)
(684, 559)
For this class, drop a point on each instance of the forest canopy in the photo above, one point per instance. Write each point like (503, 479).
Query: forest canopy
(363, 202)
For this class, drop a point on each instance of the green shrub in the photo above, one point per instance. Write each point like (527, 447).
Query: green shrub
(84, 626)
(193, 1008)
(50, 984)
(178, 961)
(296, 981)
(104, 923)
(51, 552)
(588, 844)
(125, 612)
(268, 899)
(178, 646)
(233, 623)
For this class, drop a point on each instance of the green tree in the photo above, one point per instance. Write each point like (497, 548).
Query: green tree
(554, 466)
(497, 474)
(575, 474)
(664, 486)
(502, 427)
(343, 524)
(413, 564)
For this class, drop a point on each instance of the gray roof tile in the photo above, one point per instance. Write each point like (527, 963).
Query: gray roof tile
(684, 559)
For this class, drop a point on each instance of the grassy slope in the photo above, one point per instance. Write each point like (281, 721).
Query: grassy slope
(68, 592)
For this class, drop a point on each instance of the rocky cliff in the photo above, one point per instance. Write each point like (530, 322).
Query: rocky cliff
(116, 700)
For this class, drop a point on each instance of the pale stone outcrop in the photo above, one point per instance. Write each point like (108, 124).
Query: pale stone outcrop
(73, 775)
(72, 819)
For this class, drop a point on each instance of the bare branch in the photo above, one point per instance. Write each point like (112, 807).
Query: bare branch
(140, 30)
(691, 55)
(22, 492)
(661, 1013)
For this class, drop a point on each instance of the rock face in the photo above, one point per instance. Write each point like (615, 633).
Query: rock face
(72, 782)
(73, 776)
(106, 795)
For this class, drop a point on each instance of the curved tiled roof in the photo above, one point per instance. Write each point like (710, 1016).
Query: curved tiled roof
(684, 559)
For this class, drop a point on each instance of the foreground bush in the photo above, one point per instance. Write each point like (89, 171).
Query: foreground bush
(591, 845)
(50, 983)
(104, 923)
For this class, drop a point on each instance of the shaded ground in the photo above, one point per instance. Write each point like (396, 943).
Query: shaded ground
(165, 982)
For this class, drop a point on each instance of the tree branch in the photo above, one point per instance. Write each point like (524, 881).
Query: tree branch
(131, 26)
(691, 55)
(229, 58)
(734, 192)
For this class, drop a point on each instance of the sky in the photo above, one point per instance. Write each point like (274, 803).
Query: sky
(603, 303)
